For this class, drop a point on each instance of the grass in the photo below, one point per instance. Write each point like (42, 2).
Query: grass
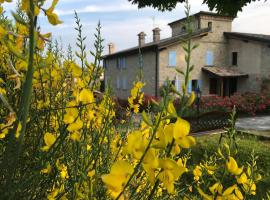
(246, 143)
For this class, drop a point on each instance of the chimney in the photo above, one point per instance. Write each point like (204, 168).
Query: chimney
(141, 38)
(156, 34)
(111, 48)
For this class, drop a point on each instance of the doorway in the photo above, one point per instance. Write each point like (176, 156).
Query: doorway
(213, 86)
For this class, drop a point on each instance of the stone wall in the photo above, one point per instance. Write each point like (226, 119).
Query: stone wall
(249, 61)
(265, 67)
(198, 59)
(131, 72)
(177, 27)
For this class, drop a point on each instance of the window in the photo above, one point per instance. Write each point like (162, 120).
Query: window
(118, 83)
(118, 63)
(209, 58)
(210, 24)
(172, 59)
(184, 28)
(194, 85)
(124, 83)
(121, 63)
(105, 64)
(234, 58)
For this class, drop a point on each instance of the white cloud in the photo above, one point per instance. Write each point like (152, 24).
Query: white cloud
(253, 19)
(99, 9)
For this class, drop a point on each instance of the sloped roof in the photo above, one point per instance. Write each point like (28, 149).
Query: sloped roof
(248, 36)
(160, 44)
(202, 13)
(224, 71)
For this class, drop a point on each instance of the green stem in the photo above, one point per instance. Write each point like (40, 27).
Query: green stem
(15, 147)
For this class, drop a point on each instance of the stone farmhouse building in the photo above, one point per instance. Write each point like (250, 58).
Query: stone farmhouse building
(225, 62)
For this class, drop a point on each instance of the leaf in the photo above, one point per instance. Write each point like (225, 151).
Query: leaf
(18, 18)
(180, 71)
(14, 50)
(146, 119)
(3, 32)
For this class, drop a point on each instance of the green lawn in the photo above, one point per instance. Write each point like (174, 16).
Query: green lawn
(246, 143)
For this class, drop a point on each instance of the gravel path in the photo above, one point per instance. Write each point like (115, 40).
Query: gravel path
(254, 123)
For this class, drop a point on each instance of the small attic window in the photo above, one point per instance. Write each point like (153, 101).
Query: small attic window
(183, 29)
(210, 25)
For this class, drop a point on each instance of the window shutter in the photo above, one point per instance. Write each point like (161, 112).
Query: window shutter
(189, 87)
(178, 84)
(124, 82)
(117, 63)
(118, 83)
(209, 58)
(124, 63)
(172, 59)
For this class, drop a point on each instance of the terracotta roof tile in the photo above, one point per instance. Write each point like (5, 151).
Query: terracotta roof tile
(224, 71)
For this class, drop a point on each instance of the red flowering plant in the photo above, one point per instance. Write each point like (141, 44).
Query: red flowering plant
(248, 103)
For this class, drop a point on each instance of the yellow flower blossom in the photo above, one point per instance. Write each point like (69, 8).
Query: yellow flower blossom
(242, 179)
(150, 164)
(71, 113)
(116, 180)
(191, 99)
(231, 193)
(2, 91)
(197, 172)
(136, 144)
(91, 173)
(49, 140)
(171, 109)
(86, 96)
(63, 170)
(53, 18)
(232, 166)
(171, 172)
(47, 170)
(180, 133)
(4, 131)
(77, 125)
(18, 131)
(75, 136)
(136, 98)
(216, 189)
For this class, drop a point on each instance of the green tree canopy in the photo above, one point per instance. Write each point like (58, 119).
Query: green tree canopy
(229, 7)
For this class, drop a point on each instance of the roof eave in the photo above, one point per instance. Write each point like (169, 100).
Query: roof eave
(245, 37)
(130, 52)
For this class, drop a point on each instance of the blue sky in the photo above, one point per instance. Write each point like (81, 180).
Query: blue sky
(121, 21)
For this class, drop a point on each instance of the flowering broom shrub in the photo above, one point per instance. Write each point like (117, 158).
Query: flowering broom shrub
(58, 139)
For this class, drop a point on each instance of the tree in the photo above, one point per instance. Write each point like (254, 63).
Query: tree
(229, 7)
